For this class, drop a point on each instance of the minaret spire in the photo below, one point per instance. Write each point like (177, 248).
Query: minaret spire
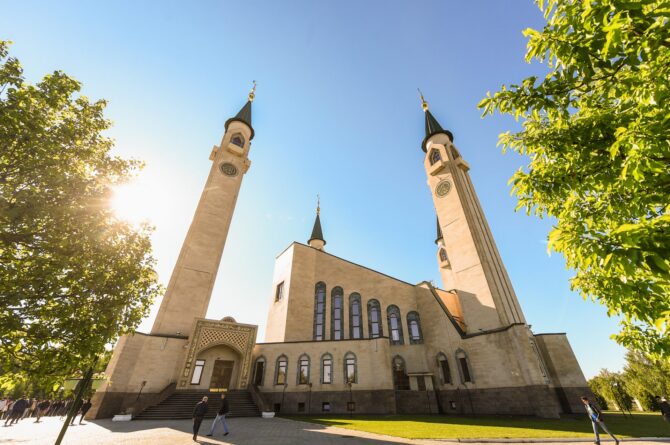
(244, 115)
(316, 240)
(433, 127)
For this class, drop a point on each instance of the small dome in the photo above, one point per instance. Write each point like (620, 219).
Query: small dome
(229, 319)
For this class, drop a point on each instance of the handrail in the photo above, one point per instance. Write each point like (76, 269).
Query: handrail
(153, 399)
(257, 397)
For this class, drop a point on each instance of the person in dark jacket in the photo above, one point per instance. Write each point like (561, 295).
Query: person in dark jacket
(597, 420)
(84, 409)
(198, 414)
(17, 411)
(42, 409)
(221, 416)
(664, 407)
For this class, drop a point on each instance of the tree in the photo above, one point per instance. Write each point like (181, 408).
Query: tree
(645, 379)
(72, 276)
(596, 131)
(610, 390)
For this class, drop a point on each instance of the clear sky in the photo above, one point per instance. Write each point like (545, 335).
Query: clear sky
(336, 113)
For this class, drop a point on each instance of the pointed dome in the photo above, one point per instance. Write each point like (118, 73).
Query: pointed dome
(317, 233)
(439, 231)
(244, 116)
(433, 127)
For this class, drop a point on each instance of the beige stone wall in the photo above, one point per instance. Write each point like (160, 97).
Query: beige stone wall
(190, 287)
(142, 357)
(275, 329)
(560, 360)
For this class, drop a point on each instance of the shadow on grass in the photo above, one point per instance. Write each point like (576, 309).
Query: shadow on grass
(452, 427)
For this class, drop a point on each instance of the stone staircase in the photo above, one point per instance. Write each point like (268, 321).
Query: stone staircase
(180, 405)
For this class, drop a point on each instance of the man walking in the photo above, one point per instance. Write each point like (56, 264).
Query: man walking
(664, 407)
(596, 420)
(198, 414)
(84, 409)
(221, 416)
(17, 411)
(42, 408)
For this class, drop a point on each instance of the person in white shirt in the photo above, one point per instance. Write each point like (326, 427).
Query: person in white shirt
(596, 420)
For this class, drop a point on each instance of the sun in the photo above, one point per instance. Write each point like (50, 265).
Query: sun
(137, 201)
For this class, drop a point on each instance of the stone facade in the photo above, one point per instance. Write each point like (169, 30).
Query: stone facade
(341, 337)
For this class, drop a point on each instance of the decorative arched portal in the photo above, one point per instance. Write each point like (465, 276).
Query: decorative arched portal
(221, 341)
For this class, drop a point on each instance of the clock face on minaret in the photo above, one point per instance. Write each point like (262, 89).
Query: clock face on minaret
(468, 259)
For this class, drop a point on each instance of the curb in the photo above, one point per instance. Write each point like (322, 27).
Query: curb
(555, 440)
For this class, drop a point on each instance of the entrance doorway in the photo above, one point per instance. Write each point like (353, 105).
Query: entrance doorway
(223, 371)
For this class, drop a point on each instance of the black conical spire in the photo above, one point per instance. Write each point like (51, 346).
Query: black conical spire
(433, 127)
(244, 115)
(439, 231)
(317, 233)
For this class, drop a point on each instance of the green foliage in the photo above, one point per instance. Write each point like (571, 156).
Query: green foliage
(596, 130)
(646, 379)
(611, 391)
(72, 276)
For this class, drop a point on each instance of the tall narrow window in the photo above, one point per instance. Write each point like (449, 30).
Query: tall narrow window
(355, 326)
(400, 377)
(435, 157)
(337, 325)
(443, 255)
(443, 365)
(414, 328)
(303, 370)
(395, 325)
(327, 368)
(279, 293)
(259, 371)
(319, 310)
(282, 368)
(350, 374)
(197, 372)
(374, 319)
(238, 140)
(464, 366)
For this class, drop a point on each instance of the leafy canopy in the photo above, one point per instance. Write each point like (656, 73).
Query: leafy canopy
(72, 276)
(596, 131)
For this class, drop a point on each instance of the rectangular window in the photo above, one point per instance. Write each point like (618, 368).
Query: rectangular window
(197, 372)
(279, 294)
(325, 407)
(303, 377)
(464, 367)
(351, 370)
(446, 374)
(281, 372)
(301, 407)
(357, 332)
(421, 382)
(327, 370)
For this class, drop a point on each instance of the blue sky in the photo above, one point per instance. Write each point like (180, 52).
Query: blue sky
(336, 113)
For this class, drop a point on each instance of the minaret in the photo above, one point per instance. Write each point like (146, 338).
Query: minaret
(316, 240)
(466, 252)
(190, 287)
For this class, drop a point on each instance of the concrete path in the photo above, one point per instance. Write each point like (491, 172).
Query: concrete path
(245, 431)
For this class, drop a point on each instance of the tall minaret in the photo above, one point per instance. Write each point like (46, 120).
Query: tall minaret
(190, 286)
(466, 252)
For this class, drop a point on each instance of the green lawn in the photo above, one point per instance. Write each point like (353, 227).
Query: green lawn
(450, 427)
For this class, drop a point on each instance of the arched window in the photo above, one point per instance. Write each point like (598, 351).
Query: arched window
(238, 140)
(337, 313)
(443, 366)
(303, 370)
(319, 310)
(395, 325)
(443, 255)
(464, 368)
(326, 368)
(435, 157)
(374, 319)
(281, 370)
(259, 371)
(400, 377)
(350, 371)
(355, 316)
(414, 328)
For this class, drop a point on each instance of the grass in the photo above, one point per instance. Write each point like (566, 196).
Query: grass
(451, 427)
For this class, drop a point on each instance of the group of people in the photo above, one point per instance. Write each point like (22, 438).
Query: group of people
(11, 411)
(200, 411)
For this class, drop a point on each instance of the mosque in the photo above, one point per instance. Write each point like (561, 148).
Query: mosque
(341, 337)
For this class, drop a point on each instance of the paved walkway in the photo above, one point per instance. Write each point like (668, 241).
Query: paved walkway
(245, 431)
